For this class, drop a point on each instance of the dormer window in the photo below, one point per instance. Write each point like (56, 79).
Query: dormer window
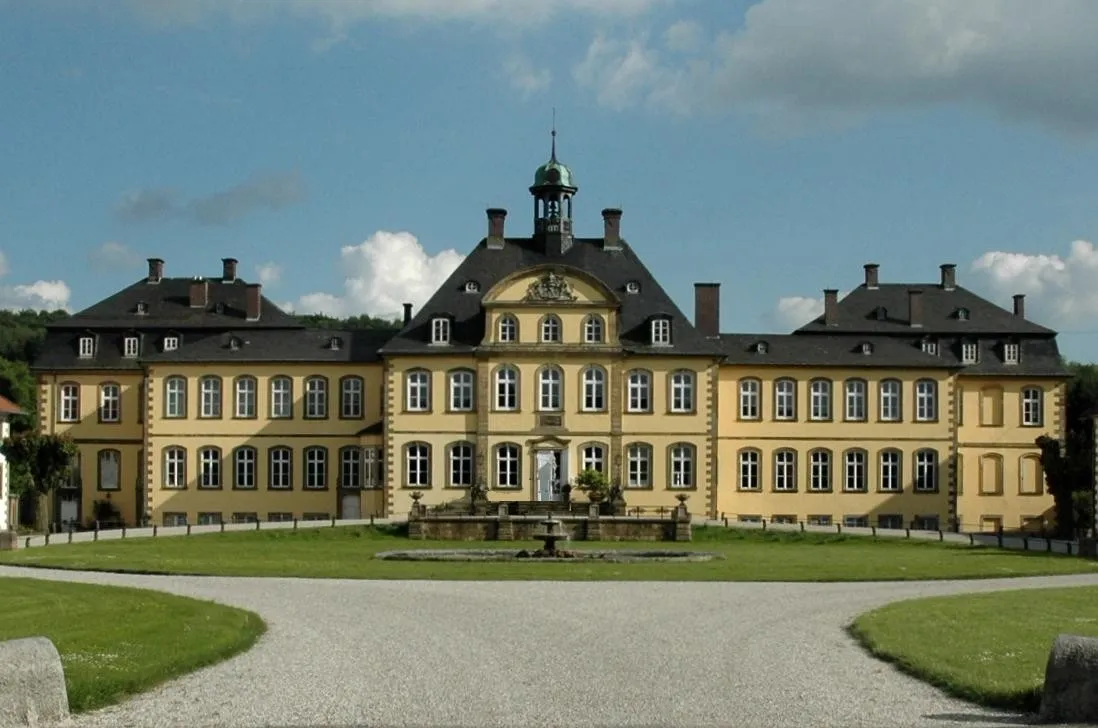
(632, 287)
(867, 347)
(129, 346)
(142, 308)
(930, 346)
(1011, 352)
(440, 330)
(969, 352)
(219, 307)
(87, 347)
(882, 313)
(962, 314)
(762, 347)
(472, 287)
(234, 343)
(171, 343)
(335, 343)
(661, 332)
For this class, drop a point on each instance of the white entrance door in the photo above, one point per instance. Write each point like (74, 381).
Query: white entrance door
(548, 478)
(70, 509)
(350, 510)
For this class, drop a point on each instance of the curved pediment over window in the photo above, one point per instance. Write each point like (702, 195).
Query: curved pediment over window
(550, 286)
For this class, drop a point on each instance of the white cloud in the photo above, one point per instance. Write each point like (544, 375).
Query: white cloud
(524, 77)
(113, 254)
(1059, 289)
(383, 272)
(268, 273)
(793, 312)
(805, 61)
(49, 295)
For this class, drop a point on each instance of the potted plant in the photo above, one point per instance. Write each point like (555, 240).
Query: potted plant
(594, 484)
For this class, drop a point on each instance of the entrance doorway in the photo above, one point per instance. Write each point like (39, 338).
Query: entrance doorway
(349, 507)
(552, 471)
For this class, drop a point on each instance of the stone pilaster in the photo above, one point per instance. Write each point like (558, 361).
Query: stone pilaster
(484, 410)
(594, 524)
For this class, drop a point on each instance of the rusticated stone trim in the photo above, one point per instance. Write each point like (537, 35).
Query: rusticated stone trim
(951, 472)
(712, 449)
(616, 400)
(484, 409)
(391, 462)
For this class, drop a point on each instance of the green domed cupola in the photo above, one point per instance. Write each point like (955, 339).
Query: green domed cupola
(553, 188)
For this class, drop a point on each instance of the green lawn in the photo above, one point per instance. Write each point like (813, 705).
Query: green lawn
(988, 648)
(345, 552)
(116, 642)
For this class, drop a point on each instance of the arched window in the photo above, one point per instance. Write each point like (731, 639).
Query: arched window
(244, 462)
(282, 397)
(417, 390)
(351, 400)
(819, 470)
(508, 329)
(461, 391)
(593, 330)
(461, 465)
(417, 465)
(316, 397)
(550, 329)
(750, 399)
(683, 465)
(245, 397)
(682, 391)
(639, 465)
(550, 386)
(210, 389)
(508, 466)
(593, 457)
(639, 396)
(750, 469)
(175, 468)
(507, 388)
(1031, 475)
(594, 389)
(209, 467)
(926, 400)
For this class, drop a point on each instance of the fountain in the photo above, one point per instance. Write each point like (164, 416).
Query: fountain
(549, 534)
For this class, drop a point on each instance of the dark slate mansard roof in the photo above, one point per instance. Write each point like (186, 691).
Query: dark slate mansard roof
(614, 267)
(833, 351)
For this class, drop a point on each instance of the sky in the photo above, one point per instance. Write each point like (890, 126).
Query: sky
(345, 151)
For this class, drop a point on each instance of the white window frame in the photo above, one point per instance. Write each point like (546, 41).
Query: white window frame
(440, 330)
(171, 343)
(110, 402)
(1033, 407)
(351, 399)
(661, 332)
(640, 391)
(594, 389)
(890, 395)
(210, 390)
(639, 465)
(819, 471)
(926, 471)
(87, 347)
(209, 467)
(246, 397)
(507, 388)
(856, 471)
(550, 389)
(508, 466)
(891, 471)
(175, 468)
(371, 468)
(462, 396)
(750, 399)
(970, 352)
(175, 397)
(109, 463)
(417, 391)
(926, 400)
(68, 406)
(550, 329)
(130, 348)
(750, 462)
(593, 329)
(280, 474)
(855, 400)
(245, 468)
(682, 391)
(1011, 353)
(682, 461)
(460, 466)
(819, 400)
(508, 329)
(593, 457)
(315, 462)
(316, 398)
(930, 346)
(282, 397)
(785, 399)
(785, 471)
(417, 465)
(350, 467)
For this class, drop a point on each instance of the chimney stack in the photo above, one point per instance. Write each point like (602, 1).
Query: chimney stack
(915, 307)
(228, 270)
(831, 307)
(871, 276)
(156, 270)
(407, 314)
(253, 301)
(949, 276)
(611, 229)
(707, 309)
(199, 293)
(1020, 305)
(496, 218)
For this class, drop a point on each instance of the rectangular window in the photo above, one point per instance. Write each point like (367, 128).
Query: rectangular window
(749, 470)
(440, 331)
(175, 468)
(418, 466)
(245, 397)
(890, 400)
(926, 400)
(279, 517)
(749, 399)
(969, 353)
(69, 406)
(682, 392)
(891, 520)
(280, 476)
(785, 399)
(855, 476)
(209, 468)
(821, 400)
(87, 347)
(316, 468)
(461, 392)
(209, 519)
(245, 518)
(419, 392)
(174, 520)
(640, 392)
(129, 347)
(351, 398)
(506, 389)
(1010, 353)
(211, 397)
(855, 400)
(890, 471)
(110, 463)
(785, 471)
(461, 466)
(820, 471)
(661, 332)
(856, 521)
(282, 398)
(244, 468)
(350, 468)
(371, 468)
(640, 466)
(1032, 407)
(175, 397)
(110, 403)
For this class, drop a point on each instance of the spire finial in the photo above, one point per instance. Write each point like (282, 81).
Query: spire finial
(553, 133)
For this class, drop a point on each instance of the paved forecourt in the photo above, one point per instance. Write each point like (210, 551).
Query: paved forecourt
(444, 653)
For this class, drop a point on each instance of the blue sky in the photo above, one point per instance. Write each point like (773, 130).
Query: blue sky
(345, 150)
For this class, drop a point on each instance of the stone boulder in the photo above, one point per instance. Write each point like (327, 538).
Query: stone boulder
(32, 683)
(1071, 681)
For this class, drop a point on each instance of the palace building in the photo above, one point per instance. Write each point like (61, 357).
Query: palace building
(197, 400)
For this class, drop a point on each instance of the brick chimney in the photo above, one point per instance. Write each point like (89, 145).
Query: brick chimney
(200, 293)
(228, 270)
(611, 229)
(156, 270)
(871, 275)
(497, 216)
(407, 314)
(1020, 305)
(915, 307)
(707, 308)
(253, 301)
(831, 307)
(949, 276)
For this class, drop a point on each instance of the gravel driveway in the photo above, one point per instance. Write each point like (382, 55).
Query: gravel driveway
(444, 653)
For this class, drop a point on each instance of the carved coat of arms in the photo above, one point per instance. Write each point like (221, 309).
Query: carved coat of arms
(550, 287)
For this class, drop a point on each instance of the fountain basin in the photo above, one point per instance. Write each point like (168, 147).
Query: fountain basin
(615, 556)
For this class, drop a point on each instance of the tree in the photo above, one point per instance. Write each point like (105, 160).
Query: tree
(39, 463)
(1069, 469)
(17, 384)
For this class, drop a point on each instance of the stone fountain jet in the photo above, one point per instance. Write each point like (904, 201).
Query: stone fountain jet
(549, 534)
